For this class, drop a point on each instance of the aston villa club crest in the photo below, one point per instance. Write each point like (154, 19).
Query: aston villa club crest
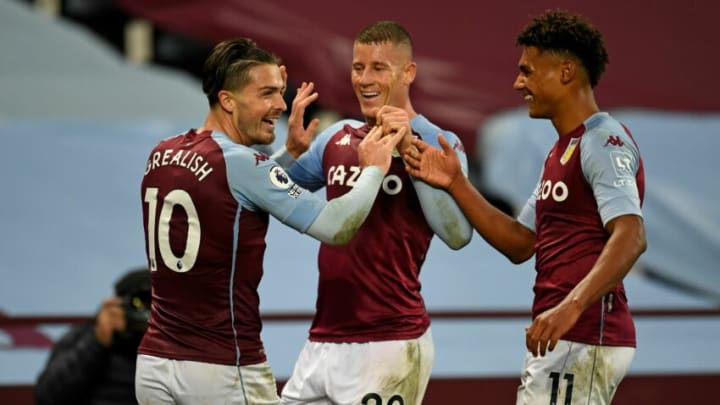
(569, 150)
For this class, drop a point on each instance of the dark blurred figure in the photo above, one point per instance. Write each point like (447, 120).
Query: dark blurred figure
(94, 363)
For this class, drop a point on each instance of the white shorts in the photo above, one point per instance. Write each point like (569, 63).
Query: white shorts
(574, 374)
(165, 381)
(392, 372)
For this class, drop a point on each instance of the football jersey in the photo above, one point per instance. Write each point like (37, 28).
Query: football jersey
(591, 175)
(369, 290)
(205, 202)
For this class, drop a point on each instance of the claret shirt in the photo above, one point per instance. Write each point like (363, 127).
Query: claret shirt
(591, 176)
(369, 290)
(206, 202)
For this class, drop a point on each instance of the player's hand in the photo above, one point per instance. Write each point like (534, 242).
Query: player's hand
(299, 137)
(110, 318)
(547, 328)
(437, 167)
(376, 149)
(391, 119)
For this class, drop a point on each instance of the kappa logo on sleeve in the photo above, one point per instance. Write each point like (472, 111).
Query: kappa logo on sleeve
(279, 178)
(260, 157)
(614, 140)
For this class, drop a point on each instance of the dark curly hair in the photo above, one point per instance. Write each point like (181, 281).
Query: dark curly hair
(229, 63)
(564, 32)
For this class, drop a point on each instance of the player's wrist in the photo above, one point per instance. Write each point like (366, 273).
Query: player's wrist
(457, 182)
(576, 303)
(295, 150)
(373, 170)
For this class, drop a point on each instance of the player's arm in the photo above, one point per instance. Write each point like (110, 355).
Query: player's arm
(307, 170)
(443, 215)
(625, 245)
(442, 212)
(333, 222)
(611, 174)
(341, 217)
(442, 168)
(298, 137)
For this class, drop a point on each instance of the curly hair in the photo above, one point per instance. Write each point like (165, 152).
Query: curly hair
(564, 32)
(229, 64)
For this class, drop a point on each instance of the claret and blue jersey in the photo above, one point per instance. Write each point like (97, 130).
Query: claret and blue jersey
(369, 290)
(206, 201)
(591, 176)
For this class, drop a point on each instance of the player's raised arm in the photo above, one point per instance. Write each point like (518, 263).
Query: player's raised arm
(441, 212)
(441, 168)
(343, 216)
(299, 137)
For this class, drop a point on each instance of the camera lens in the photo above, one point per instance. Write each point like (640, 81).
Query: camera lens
(137, 313)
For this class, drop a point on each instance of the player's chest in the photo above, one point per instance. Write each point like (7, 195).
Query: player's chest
(341, 166)
(342, 172)
(562, 186)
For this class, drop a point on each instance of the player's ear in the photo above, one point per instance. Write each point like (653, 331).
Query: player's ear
(226, 101)
(568, 70)
(410, 72)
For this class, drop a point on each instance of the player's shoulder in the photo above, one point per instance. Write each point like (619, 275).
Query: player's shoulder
(603, 132)
(342, 126)
(171, 141)
(238, 154)
(429, 132)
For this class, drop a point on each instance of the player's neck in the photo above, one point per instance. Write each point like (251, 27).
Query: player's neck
(410, 110)
(218, 120)
(574, 111)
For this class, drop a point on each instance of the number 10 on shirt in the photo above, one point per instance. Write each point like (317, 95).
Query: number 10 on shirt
(174, 198)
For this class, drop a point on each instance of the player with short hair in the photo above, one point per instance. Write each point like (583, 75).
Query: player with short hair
(207, 196)
(583, 223)
(370, 340)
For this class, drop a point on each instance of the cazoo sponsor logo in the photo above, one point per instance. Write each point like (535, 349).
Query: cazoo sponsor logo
(340, 175)
(558, 191)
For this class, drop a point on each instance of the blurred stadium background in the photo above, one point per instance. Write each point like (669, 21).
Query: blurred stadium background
(89, 86)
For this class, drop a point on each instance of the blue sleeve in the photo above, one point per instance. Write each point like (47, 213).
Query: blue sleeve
(282, 157)
(440, 209)
(308, 170)
(429, 134)
(527, 214)
(264, 185)
(610, 169)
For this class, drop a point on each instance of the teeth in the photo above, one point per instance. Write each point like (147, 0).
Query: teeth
(370, 94)
(528, 97)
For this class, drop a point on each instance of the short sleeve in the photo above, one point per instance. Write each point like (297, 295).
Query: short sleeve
(307, 170)
(527, 214)
(260, 183)
(610, 163)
